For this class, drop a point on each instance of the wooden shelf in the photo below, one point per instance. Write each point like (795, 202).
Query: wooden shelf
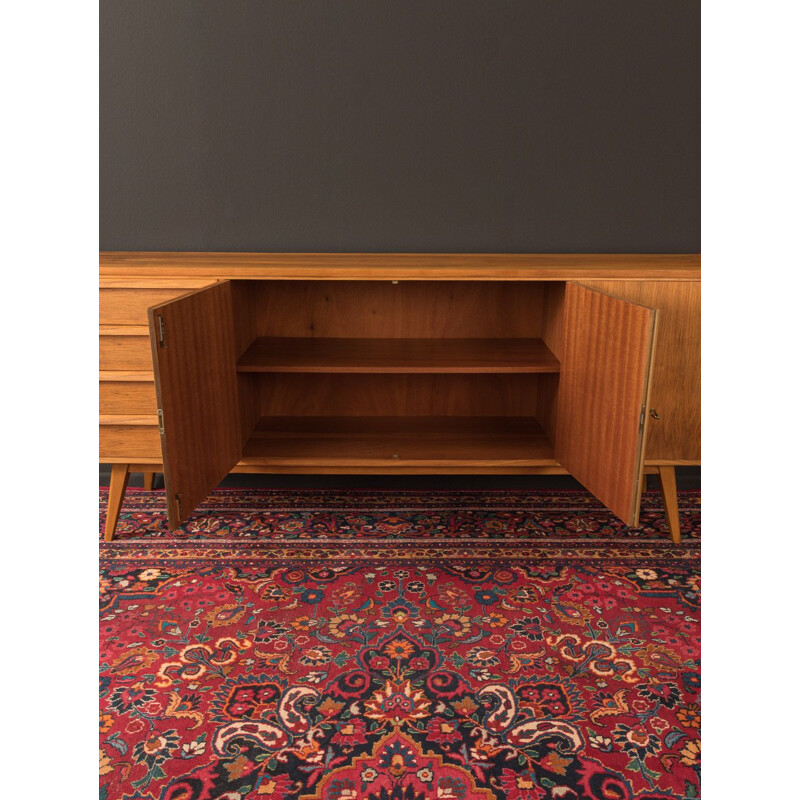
(398, 442)
(299, 354)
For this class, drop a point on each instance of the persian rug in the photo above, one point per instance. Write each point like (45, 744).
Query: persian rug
(399, 646)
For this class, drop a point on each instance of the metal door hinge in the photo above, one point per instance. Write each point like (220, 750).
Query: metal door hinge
(641, 421)
(160, 421)
(162, 336)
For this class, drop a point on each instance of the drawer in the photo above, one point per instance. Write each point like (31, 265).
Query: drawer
(122, 349)
(130, 442)
(128, 396)
(128, 306)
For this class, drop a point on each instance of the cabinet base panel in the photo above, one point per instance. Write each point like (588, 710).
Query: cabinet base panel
(390, 443)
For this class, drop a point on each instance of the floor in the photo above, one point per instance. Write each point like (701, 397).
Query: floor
(515, 644)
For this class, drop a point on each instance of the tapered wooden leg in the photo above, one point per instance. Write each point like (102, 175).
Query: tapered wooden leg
(669, 493)
(148, 480)
(116, 494)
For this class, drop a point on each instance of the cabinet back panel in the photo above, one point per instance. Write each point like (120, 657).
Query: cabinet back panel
(299, 394)
(407, 309)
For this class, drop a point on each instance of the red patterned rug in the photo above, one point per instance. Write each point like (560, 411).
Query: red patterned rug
(399, 646)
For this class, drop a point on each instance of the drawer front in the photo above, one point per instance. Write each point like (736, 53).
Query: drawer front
(128, 397)
(125, 352)
(130, 442)
(129, 306)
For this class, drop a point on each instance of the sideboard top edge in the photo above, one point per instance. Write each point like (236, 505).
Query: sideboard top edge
(408, 266)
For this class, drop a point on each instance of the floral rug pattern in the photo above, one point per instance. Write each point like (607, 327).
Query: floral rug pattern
(399, 646)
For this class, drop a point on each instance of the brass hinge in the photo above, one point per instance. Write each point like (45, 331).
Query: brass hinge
(178, 506)
(641, 421)
(162, 336)
(160, 421)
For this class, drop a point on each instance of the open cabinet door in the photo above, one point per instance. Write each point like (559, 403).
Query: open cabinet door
(602, 396)
(196, 386)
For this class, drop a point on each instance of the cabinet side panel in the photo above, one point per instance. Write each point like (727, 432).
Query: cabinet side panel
(553, 317)
(675, 394)
(547, 404)
(553, 337)
(244, 299)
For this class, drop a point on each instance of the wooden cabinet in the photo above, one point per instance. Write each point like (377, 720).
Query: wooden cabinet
(398, 364)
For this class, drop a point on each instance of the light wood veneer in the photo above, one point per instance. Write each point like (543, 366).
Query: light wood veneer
(337, 363)
(440, 356)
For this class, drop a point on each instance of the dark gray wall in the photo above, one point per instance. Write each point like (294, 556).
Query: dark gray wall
(463, 125)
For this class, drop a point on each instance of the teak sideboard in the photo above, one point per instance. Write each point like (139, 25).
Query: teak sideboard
(361, 363)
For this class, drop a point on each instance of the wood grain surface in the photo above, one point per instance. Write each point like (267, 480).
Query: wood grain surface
(124, 443)
(126, 306)
(154, 282)
(305, 354)
(125, 349)
(129, 419)
(675, 397)
(553, 337)
(116, 492)
(303, 394)
(392, 310)
(196, 386)
(128, 396)
(126, 375)
(398, 266)
(437, 296)
(605, 377)
(399, 441)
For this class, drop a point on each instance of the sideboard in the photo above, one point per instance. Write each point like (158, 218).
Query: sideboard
(362, 363)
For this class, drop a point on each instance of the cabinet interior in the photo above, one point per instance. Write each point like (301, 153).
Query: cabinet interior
(403, 374)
